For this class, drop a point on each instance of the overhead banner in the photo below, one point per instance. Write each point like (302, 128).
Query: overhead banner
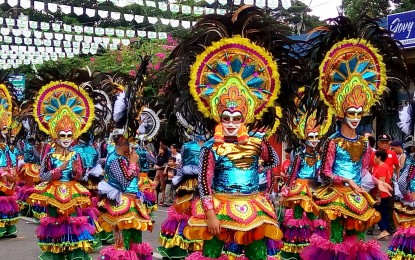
(402, 27)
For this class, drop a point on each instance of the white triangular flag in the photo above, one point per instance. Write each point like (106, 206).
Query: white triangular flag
(57, 43)
(76, 44)
(150, 3)
(18, 40)
(162, 35)
(8, 39)
(165, 21)
(130, 33)
(31, 48)
(87, 38)
(16, 32)
(90, 12)
(37, 42)
(238, 2)
(39, 6)
(174, 22)
(116, 41)
(26, 62)
(59, 36)
(221, 11)
(94, 45)
(186, 9)
(48, 35)
(62, 55)
(49, 50)
(198, 10)
(66, 9)
(44, 26)
(102, 13)
(56, 27)
(9, 22)
(14, 48)
(67, 28)
(67, 44)
(5, 31)
(78, 29)
(109, 31)
(186, 24)
(97, 39)
(209, 11)
(113, 47)
(54, 56)
(125, 42)
(68, 37)
(70, 54)
(99, 31)
(47, 42)
(78, 11)
(28, 41)
(152, 20)
(89, 29)
(106, 40)
(260, 3)
(210, 1)
(248, 2)
(52, 7)
(115, 15)
(25, 4)
(79, 38)
(223, 2)
(128, 17)
(33, 25)
(286, 4)
(142, 33)
(120, 33)
(162, 6)
(23, 24)
(12, 3)
(38, 34)
(139, 2)
(152, 35)
(174, 8)
(139, 18)
(93, 51)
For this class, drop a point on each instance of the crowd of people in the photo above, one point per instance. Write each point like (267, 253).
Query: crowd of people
(77, 153)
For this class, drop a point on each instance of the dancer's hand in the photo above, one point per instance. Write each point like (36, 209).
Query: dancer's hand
(213, 223)
(133, 157)
(384, 187)
(354, 186)
(63, 166)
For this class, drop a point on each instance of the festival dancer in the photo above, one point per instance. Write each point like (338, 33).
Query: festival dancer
(9, 209)
(173, 243)
(63, 111)
(123, 211)
(236, 83)
(301, 214)
(353, 76)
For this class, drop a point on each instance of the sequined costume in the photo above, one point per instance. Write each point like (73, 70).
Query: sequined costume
(63, 110)
(172, 240)
(146, 185)
(352, 78)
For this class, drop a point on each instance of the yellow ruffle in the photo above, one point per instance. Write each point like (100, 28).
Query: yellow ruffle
(191, 245)
(65, 196)
(188, 185)
(341, 201)
(293, 248)
(30, 173)
(7, 188)
(62, 248)
(300, 194)
(399, 255)
(130, 213)
(8, 222)
(403, 215)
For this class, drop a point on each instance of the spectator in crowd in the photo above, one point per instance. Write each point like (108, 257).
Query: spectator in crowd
(391, 159)
(286, 164)
(170, 172)
(372, 142)
(397, 147)
(160, 178)
(384, 202)
(175, 153)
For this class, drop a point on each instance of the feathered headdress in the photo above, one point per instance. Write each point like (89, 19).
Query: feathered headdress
(358, 62)
(224, 51)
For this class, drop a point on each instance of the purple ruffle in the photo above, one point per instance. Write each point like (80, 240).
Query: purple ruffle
(403, 238)
(56, 228)
(24, 192)
(8, 205)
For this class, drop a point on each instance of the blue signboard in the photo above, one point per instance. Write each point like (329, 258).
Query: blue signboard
(402, 26)
(19, 83)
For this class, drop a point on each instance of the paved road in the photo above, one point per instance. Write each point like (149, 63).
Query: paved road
(24, 247)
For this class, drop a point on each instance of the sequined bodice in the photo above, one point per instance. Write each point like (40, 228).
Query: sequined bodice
(144, 165)
(348, 162)
(3, 156)
(88, 155)
(309, 165)
(191, 153)
(408, 162)
(236, 167)
(58, 159)
(28, 155)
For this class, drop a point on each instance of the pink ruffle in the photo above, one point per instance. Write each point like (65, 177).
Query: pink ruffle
(199, 256)
(318, 223)
(111, 253)
(272, 258)
(24, 192)
(50, 227)
(149, 196)
(91, 212)
(173, 214)
(8, 205)
(242, 257)
(142, 249)
(407, 232)
(289, 220)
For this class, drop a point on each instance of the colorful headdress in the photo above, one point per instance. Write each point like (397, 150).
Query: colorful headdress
(234, 75)
(62, 106)
(149, 124)
(307, 120)
(5, 107)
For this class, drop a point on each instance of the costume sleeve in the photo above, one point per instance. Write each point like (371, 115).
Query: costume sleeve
(207, 170)
(46, 171)
(271, 180)
(366, 162)
(327, 161)
(78, 169)
(269, 155)
(404, 181)
(293, 169)
(123, 171)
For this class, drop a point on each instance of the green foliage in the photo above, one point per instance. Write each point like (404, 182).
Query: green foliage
(372, 8)
(404, 5)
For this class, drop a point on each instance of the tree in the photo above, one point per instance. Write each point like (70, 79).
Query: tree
(403, 5)
(372, 8)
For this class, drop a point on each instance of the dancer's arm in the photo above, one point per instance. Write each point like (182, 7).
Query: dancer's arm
(123, 171)
(207, 169)
(269, 155)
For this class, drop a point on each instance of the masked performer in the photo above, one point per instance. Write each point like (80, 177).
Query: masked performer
(9, 209)
(63, 111)
(173, 243)
(352, 80)
(123, 211)
(234, 82)
(404, 209)
(301, 215)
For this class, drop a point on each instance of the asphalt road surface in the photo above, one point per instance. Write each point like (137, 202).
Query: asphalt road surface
(24, 247)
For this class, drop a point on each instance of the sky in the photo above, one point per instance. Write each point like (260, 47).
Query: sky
(323, 8)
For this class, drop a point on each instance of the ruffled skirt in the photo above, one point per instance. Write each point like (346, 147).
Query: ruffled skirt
(9, 211)
(148, 191)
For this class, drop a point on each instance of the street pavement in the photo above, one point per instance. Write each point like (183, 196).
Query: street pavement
(24, 247)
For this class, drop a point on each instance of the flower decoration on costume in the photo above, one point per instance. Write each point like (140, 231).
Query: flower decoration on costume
(5, 107)
(63, 106)
(234, 75)
(352, 75)
(306, 120)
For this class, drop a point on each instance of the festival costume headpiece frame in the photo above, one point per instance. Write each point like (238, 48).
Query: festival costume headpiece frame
(61, 105)
(352, 74)
(234, 75)
(5, 107)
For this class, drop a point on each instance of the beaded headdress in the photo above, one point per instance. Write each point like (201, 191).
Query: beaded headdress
(62, 106)
(352, 75)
